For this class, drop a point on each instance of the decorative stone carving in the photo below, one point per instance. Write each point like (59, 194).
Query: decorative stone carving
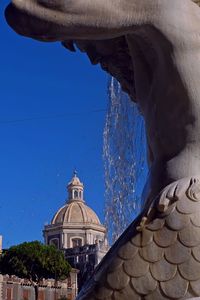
(162, 261)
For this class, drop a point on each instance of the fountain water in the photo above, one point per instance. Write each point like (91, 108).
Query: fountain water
(124, 160)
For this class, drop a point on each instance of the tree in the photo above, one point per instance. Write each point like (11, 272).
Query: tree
(34, 261)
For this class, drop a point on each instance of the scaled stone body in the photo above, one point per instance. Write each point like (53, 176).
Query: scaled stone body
(160, 261)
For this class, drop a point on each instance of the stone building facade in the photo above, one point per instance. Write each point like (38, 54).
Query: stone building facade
(77, 230)
(14, 288)
(85, 259)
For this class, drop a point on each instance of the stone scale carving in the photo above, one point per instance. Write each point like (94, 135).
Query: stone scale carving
(153, 48)
(158, 257)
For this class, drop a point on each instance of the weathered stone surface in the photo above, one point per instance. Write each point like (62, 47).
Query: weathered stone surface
(195, 219)
(156, 224)
(127, 251)
(116, 263)
(168, 210)
(175, 288)
(165, 237)
(193, 192)
(177, 221)
(126, 294)
(190, 236)
(177, 253)
(118, 280)
(151, 252)
(190, 269)
(162, 270)
(195, 285)
(136, 267)
(143, 238)
(103, 293)
(101, 274)
(186, 206)
(196, 253)
(156, 295)
(144, 285)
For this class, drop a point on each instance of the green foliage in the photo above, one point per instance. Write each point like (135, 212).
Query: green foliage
(63, 298)
(34, 261)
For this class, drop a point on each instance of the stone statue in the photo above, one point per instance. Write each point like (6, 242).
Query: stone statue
(153, 48)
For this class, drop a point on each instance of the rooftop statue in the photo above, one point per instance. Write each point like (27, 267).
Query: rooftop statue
(153, 48)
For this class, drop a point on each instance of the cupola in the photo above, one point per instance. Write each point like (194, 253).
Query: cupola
(75, 189)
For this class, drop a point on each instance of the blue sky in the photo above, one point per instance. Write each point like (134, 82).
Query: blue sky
(48, 127)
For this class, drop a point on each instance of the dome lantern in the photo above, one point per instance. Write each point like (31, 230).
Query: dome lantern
(75, 189)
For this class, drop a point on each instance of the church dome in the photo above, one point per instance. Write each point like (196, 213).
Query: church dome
(75, 224)
(75, 212)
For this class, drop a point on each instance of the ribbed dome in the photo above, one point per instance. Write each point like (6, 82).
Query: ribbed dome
(75, 212)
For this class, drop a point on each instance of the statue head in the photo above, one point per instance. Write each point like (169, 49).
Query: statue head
(37, 19)
(46, 19)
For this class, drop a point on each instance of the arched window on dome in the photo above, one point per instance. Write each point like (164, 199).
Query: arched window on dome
(80, 194)
(76, 242)
(75, 194)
